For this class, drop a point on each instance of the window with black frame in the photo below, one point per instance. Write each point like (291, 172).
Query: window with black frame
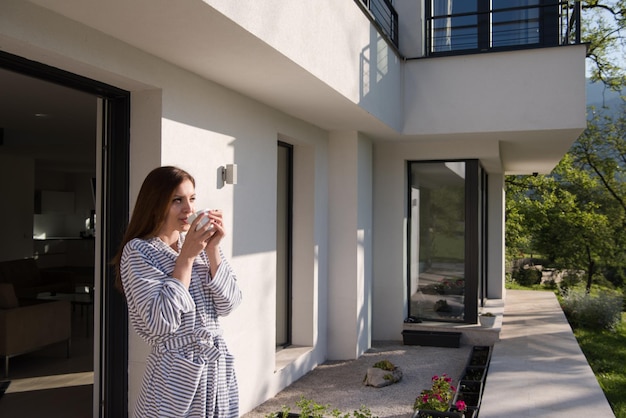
(456, 26)
(445, 245)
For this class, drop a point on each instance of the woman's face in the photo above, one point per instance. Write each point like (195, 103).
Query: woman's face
(181, 206)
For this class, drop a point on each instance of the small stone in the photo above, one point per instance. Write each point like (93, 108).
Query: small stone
(379, 378)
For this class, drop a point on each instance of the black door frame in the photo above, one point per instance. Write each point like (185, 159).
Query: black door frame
(289, 256)
(113, 397)
(475, 234)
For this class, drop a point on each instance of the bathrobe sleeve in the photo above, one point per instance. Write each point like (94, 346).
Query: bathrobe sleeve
(223, 287)
(156, 301)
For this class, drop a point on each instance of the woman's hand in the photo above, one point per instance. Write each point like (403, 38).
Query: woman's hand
(216, 232)
(206, 237)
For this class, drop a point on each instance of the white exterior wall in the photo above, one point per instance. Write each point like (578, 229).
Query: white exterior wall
(349, 247)
(345, 52)
(496, 93)
(411, 26)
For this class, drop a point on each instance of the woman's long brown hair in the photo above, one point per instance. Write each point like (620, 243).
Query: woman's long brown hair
(151, 208)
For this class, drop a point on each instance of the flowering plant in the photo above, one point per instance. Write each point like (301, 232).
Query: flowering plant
(438, 397)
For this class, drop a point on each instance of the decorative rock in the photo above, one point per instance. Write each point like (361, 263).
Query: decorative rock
(379, 378)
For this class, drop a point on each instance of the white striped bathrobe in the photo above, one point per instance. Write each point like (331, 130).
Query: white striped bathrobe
(189, 371)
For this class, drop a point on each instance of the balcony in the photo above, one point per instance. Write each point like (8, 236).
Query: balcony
(383, 16)
(456, 27)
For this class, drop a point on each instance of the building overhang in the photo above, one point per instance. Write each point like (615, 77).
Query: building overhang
(197, 37)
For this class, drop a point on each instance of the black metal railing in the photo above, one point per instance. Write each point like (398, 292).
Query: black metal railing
(384, 16)
(546, 24)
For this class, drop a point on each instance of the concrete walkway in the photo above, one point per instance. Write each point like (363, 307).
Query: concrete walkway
(537, 368)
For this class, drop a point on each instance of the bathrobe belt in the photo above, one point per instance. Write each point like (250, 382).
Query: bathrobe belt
(209, 345)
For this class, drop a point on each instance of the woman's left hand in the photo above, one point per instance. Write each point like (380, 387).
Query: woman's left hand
(216, 233)
(214, 236)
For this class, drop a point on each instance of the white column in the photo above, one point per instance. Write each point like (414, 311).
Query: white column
(350, 220)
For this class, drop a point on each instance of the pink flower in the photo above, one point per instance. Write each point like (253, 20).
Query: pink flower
(460, 405)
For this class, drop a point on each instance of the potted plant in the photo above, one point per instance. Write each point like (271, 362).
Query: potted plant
(435, 402)
(487, 319)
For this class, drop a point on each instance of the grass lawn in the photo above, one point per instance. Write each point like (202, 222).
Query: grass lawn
(606, 353)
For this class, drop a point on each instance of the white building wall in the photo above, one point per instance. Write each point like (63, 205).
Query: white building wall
(364, 243)
(389, 247)
(345, 52)
(411, 25)
(496, 92)
(350, 237)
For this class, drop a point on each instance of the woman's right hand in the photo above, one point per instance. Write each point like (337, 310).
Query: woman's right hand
(197, 236)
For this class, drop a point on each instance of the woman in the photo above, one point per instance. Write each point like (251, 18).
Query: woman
(177, 284)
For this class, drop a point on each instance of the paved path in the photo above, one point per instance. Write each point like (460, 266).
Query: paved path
(537, 368)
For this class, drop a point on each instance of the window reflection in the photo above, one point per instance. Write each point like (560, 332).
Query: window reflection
(437, 241)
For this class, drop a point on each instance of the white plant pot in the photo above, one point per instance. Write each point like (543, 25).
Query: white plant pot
(487, 321)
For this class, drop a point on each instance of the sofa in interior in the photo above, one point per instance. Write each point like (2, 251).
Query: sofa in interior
(28, 325)
(28, 280)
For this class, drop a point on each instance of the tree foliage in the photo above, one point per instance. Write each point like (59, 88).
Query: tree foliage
(575, 217)
(603, 29)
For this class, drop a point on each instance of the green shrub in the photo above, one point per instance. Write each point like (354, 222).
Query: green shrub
(508, 277)
(311, 409)
(570, 280)
(550, 284)
(600, 311)
(616, 275)
(527, 276)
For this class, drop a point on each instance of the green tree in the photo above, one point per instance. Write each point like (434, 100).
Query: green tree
(603, 26)
(575, 217)
(601, 153)
(563, 221)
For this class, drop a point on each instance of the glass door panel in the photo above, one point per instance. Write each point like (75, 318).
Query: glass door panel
(437, 240)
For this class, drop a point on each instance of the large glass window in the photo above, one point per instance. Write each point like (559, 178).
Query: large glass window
(454, 25)
(446, 264)
(515, 22)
